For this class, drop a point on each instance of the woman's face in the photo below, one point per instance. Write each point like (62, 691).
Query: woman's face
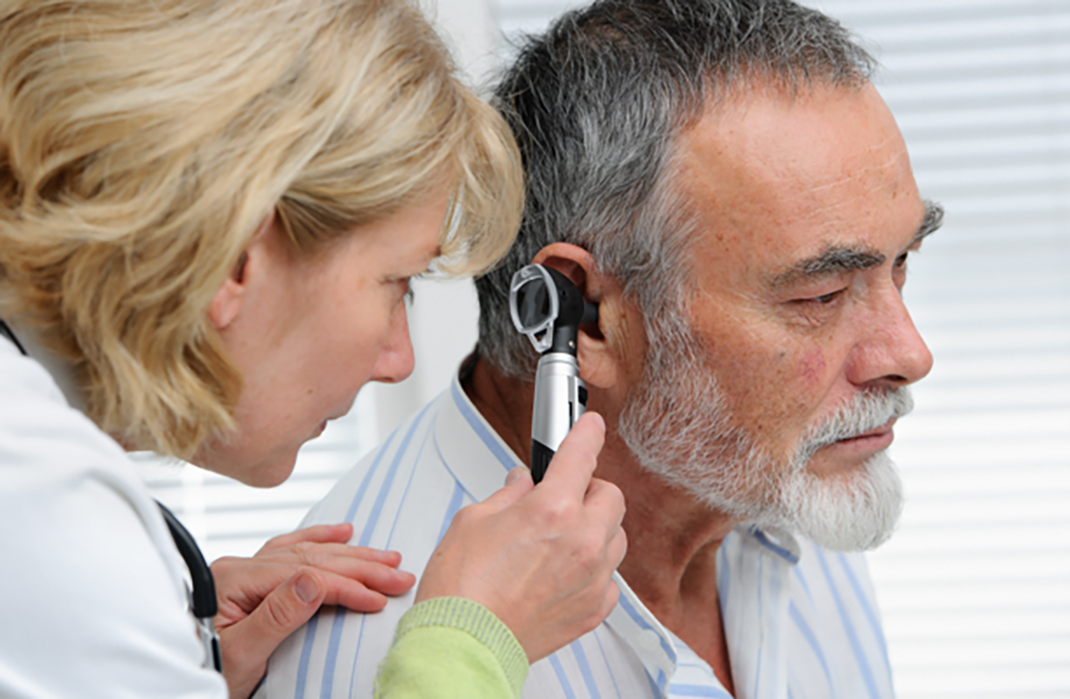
(307, 334)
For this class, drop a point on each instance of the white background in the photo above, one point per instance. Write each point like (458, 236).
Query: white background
(975, 587)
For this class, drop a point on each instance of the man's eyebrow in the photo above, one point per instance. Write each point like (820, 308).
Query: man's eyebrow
(837, 259)
(833, 260)
(934, 218)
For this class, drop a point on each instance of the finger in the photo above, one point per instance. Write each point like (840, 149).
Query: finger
(251, 641)
(574, 463)
(321, 533)
(612, 597)
(373, 576)
(363, 553)
(351, 594)
(515, 488)
(517, 472)
(261, 574)
(605, 502)
(321, 555)
(617, 548)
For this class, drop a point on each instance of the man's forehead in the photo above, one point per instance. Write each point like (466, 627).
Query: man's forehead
(789, 178)
(771, 143)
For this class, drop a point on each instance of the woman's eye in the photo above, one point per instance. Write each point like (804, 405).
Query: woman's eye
(403, 287)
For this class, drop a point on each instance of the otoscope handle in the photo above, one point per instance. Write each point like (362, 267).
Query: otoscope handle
(540, 459)
(560, 399)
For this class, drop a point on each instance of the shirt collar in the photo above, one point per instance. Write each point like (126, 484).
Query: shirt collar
(638, 626)
(659, 649)
(473, 452)
(779, 541)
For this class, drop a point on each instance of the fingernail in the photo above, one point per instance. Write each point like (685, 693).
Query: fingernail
(515, 473)
(306, 588)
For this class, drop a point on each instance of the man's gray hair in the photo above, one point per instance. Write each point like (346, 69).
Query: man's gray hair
(596, 104)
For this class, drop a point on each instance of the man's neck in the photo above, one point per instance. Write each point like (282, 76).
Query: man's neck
(672, 539)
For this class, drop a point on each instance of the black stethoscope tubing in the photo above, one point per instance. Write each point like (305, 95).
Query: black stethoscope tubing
(10, 334)
(202, 595)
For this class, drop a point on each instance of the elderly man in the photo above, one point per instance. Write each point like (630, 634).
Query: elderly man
(723, 180)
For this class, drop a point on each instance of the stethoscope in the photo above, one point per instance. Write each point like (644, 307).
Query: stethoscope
(202, 599)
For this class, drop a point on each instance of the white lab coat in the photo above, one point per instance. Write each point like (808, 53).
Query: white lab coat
(92, 594)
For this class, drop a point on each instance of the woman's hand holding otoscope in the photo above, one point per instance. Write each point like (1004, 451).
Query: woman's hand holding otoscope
(506, 552)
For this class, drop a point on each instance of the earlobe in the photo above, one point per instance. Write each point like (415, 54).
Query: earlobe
(227, 302)
(228, 299)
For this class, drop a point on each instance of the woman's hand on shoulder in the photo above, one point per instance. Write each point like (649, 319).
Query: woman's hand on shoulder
(539, 557)
(264, 599)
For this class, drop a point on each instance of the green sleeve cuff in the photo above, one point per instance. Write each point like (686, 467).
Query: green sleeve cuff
(451, 648)
(479, 622)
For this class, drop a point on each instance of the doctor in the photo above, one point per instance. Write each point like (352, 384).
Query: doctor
(209, 216)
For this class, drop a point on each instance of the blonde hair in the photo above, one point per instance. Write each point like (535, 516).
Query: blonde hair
(141, 144)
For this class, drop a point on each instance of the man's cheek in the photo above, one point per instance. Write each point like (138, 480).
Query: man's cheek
(811, 369)
(769, 390)
(792, 382)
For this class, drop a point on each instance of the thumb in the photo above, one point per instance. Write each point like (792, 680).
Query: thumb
(281, 613)
(517, 484)
(574, 463)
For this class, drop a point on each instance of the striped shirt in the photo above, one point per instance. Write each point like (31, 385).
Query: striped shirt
(801, 622)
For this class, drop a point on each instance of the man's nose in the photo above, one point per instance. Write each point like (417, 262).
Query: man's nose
(892, 350)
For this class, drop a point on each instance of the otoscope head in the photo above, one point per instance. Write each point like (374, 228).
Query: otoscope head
(548, 308)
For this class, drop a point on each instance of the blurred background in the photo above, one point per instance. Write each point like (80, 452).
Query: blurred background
(975, 586)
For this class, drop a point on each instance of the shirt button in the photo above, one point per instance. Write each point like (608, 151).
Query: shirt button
(649, 640)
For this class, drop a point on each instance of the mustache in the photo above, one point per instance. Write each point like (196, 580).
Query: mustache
(865, 412)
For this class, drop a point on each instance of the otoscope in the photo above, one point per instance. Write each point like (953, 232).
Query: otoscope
(548, 308)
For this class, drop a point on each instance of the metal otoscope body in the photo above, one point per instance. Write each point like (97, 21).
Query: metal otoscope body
(548, 308)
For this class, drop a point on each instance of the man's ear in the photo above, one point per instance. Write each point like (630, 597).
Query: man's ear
(227, 303)
(602, 348)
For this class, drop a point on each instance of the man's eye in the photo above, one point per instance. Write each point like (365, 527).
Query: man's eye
(901, 261)
(827, 298)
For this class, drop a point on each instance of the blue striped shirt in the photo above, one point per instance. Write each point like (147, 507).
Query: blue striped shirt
(801, 622)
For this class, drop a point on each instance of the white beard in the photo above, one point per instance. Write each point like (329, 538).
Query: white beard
(676, 424)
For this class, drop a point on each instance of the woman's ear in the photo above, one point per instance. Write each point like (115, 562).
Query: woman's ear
(599, 353)
(227, 303)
